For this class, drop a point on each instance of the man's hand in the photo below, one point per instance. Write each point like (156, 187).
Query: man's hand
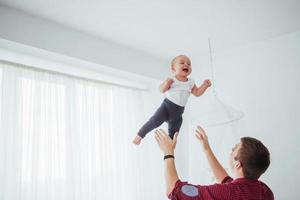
(202, 137)
(207, 83)
(165, 143)
(217, 168)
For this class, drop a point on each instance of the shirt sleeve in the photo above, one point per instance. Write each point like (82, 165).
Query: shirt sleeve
(267, 192)
(173, 195)
(184, 191)
(227, 179)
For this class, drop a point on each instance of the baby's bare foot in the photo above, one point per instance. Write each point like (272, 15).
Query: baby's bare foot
(137, 140)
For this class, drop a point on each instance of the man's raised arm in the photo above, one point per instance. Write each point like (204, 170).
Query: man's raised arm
(218, 170)
(167, 145)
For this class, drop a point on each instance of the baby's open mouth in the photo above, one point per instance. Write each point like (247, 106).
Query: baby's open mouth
(185, 70)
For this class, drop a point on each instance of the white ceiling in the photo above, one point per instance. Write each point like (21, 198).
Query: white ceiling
(166, 28)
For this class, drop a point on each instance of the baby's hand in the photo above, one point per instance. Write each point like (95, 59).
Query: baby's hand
(169, 81)
(207, 83)
(166, 85)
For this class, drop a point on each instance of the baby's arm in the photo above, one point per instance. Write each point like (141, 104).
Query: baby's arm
(166, 85)
(198, 91)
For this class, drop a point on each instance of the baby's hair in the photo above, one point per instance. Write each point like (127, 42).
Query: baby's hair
(174, 59)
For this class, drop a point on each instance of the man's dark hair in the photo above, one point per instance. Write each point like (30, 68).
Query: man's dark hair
(254, 157)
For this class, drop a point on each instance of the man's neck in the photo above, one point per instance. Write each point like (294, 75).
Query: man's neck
(238, 175)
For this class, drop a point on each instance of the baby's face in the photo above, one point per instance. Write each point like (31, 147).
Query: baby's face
(182, 66)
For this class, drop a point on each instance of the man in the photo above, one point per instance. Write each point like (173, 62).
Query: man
(249, 160)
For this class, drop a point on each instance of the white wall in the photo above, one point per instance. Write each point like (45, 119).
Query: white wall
(262, 80)
(29, 30)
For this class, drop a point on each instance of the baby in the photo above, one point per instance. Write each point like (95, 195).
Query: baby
(178, 90)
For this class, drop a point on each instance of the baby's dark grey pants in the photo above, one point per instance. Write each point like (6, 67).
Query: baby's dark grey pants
(167, 112)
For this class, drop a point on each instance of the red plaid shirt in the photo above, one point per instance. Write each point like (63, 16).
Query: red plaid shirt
(229, 189)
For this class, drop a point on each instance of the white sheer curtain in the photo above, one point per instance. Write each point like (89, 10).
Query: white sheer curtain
(70, 139)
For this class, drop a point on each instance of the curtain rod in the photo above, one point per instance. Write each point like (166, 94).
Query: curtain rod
(71, 76)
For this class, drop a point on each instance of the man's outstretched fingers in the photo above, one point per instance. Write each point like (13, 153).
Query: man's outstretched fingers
(163, 132)
(175, 137)
(198, 136)
(157, 140)
(201, 130)
(198, 132)
(158, 136)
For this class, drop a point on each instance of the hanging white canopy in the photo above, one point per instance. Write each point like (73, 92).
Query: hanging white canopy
(211, 110)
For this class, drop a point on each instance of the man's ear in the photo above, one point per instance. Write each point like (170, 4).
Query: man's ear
(237, 164)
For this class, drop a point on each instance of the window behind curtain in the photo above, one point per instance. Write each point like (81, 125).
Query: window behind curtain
(69, 138)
